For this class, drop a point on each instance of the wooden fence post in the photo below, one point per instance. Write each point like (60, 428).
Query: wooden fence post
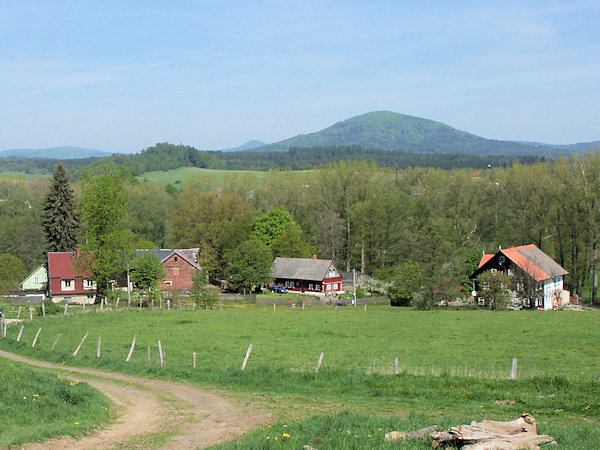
(30, 313)
(117, 305)
(247, 357)
(80, 344)
(66, 308)
(55, 341)
(274, 307)
(194, 307)
(168, 304)
(160, 355)
(149, 358)
(319, 363)
(19, 313)
(20, 333)
(365, 306)
(513, 369)
(194, 359)
(43, 310)
(302, 306)
(83, 303)
(36, 337)
(4, 326)
(98, 343)
(131, 349)
(396, 369)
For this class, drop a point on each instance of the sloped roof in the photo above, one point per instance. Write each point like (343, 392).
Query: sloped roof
(187, 254)
(534, 261)
(485, 258)
(60, 264)
(301, 268)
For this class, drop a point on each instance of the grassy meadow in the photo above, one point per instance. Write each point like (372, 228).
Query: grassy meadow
(182, 174)
(454, 365)
(36, 406)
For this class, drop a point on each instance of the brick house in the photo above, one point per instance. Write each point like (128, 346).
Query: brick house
(180, 265)
(311, 275)
(65, 284)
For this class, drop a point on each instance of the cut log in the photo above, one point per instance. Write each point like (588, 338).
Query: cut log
(492, 435)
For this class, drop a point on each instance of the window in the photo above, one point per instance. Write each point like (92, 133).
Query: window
(493, 270)
(328, 287)
(36, 280)
(88, 284)
(168, 283)
(175, 258)
(67, 285)
(310, 287)
(297, 283)
(318, 287)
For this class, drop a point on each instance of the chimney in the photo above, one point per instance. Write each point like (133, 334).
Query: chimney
(313, 256)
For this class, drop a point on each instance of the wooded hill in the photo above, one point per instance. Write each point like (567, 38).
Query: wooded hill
(385, 130)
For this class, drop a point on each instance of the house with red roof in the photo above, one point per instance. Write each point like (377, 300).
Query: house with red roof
(66, 283)
(537, 280)
(180, 266)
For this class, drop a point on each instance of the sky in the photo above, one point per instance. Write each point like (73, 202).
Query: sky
(121, 76)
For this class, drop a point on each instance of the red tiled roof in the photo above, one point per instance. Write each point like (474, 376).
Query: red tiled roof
(485, 258)
(60, 264)
(534, 261)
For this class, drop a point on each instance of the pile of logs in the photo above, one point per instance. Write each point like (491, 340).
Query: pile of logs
(486, 435)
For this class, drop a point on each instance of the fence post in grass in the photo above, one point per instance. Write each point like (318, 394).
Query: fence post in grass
(274, 307)
(3, 327)
(19, 313)
(117, 305)
(194, 307)
(66, 308)
(160, 355)
(20, 333)
(194, 359)
(168, 304)
(140, 301)
(30, 313)
(131, 349)
(98, 343)
(247, 357)
(80, 344)
(36, 337)
(319, 363)
(365, 306)
(513, 369)
(43, 310)
(149, 358)
(83, 303)
(179, 303)
(302, 306)
(396, 366)
(55, 341)
(101, 304)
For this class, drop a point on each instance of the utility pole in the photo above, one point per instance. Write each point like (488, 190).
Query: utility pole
(354, 286)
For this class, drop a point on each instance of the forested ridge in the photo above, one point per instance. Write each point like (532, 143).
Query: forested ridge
(421, 223)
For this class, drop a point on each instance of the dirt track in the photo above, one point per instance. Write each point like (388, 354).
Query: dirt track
(154, 413)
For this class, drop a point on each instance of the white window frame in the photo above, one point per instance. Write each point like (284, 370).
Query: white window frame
(67, 287)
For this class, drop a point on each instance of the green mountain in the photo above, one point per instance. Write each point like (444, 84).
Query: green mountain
(385, 130)
(65, 152)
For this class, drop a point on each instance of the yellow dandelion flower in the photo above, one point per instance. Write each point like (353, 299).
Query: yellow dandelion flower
(284, 426)
(370, 435)
(35, 395)
(76, 423)
(285, 435)
(379, 429)
(72, 384)
(268, 437)
(348, 431)
(275, 437)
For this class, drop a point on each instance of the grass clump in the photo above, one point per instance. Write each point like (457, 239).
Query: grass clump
(36, 406)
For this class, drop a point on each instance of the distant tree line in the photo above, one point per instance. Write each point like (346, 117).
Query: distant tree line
(165, 156)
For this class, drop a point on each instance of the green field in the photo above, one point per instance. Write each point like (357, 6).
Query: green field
(454, 364)
(36, 406)
(183, 174)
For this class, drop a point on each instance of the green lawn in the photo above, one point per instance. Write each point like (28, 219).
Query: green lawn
(454, 364)
(36, 406)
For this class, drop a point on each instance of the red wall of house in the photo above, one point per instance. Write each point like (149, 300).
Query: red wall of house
(179, 272)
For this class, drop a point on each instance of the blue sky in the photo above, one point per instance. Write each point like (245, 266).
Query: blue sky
(124, 75)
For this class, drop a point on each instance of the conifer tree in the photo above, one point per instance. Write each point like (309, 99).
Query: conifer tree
(59, 220)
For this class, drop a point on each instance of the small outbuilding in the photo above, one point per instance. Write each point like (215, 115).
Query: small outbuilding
(310, 275)
(537, 279)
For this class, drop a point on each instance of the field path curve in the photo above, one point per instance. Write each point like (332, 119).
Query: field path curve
(180, 415)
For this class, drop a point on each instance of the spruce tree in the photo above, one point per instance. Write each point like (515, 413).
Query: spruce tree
(59, 220)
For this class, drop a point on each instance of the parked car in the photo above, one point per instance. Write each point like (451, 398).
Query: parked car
(277, 289)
